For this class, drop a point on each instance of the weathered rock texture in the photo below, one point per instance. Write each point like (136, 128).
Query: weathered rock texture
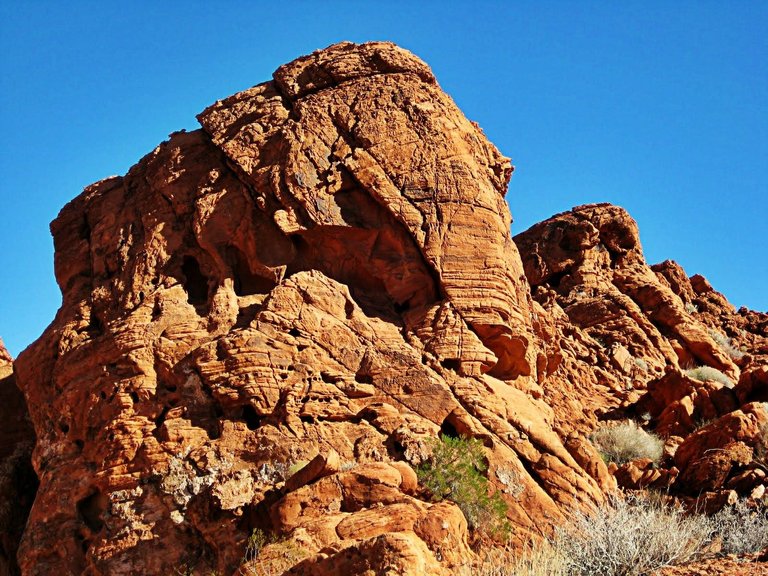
(629, 335)
(266, 322)
(17, 478)
(325, 266)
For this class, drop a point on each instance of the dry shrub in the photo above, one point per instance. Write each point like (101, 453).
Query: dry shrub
(630, 537)
(626, 442)
(266, 556)
(725, 344)
(540, 559)
(742, 529)
(705, 373)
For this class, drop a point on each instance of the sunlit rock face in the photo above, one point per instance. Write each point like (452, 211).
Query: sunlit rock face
(324, 268)
(268, 321)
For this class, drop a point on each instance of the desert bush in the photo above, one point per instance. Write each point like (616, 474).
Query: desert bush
(455, 471)
(265, 555)
(741, 529)
(630, 537)
(691, 308)
(725, 344)
(705, 373)
(626, 442)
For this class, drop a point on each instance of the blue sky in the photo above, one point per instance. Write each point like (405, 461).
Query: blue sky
(660, 107)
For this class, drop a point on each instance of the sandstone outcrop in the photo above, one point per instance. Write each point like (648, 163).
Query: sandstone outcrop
(325, 266)
(267, 322)
(655, 345)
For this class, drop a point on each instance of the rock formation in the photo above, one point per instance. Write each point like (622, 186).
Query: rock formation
(267, 322)
(326, 267)
(657, 346)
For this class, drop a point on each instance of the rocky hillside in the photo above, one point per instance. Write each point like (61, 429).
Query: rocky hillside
(267, 323)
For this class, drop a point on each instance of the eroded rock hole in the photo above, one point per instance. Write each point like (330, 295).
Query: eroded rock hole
(251, 417)
(329, 378)
(94, 325)
(245, 281)
(402, 307)
(448, 429)
(451, 364)
(195, 282)
(363, 378)
(90, 510)
(85, 229)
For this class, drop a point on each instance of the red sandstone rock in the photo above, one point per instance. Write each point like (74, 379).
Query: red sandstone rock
(327, 265)
(623, 333)
(320, 281)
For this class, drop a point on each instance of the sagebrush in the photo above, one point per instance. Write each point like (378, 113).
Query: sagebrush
(742, 529)
(626, 442)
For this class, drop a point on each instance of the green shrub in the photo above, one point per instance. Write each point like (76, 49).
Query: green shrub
(626, 442)
(455, 472)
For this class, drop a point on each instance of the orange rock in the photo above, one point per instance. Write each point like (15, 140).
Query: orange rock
(326, 266)
(323, 278)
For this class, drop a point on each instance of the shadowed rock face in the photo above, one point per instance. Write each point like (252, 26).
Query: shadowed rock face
(325, 268)
(17, 478)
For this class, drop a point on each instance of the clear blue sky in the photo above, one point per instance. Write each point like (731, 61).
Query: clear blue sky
(660, 107)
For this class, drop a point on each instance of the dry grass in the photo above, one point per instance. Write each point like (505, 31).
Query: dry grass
(536, 560)
(626, 442)
(725, 344)
(705, 373)
(265, 556)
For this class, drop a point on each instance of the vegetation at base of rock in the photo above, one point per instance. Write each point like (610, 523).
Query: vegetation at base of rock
(742, 529)
(705, 373)
(630, 537)
(541, 559)
(455, 471)
(266, 555)
(621, 537)
(626, 442)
